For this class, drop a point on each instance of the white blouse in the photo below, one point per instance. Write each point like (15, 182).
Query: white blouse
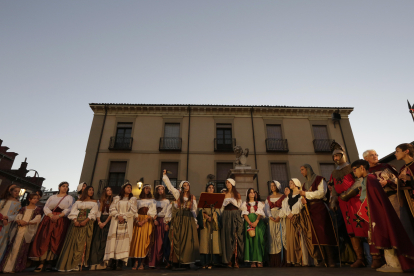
(319, 193)
(267, 209)
(295, 209)
(231, 200)
(65, 204)
(259, 211)
(148, 203)
(164, 204)
(127, 208)
(81, 205)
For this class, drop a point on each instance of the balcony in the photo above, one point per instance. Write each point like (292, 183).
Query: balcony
(174, 182)
(276, 145)
(283, 183)
(120, 143)
(170, 144)
(224, 145)
(114, 184)
(322, 145)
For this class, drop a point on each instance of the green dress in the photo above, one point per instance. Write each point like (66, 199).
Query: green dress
(254, 247)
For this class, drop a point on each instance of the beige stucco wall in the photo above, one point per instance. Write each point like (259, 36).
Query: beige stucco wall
(144, 160)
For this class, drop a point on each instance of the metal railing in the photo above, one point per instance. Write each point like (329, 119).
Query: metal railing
(276, 145)
(283, 183)
(120, 143)
(174, 182)
(322, 145)
(222, 144)
(114, 184)
(170, 144)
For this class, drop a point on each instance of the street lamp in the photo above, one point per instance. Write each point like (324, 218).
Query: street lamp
(411, 109)
(140, 183)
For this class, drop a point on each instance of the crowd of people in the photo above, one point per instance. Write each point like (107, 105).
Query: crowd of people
(362, 215)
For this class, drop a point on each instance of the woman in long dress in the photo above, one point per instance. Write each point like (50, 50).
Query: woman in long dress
(123, 211)
(185, 246)
(276, 230)
(50, 236)
(101, 230)
(162, 207)
(77, 246)
(9, 208)
(252, 212)
(143, 228)
(232, 241)
(210, 246)
(22, 232)
(297, 251)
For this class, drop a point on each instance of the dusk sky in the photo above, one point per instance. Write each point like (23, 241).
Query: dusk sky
(56, 57)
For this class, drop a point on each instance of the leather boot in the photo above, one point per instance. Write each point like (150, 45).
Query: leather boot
(120, 265)
(359, 250)
(377, 261)
(329, 256)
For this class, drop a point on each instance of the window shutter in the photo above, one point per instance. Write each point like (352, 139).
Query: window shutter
(118, 167)
(172, 130)
(326, 170)
(274, 131)
(223, 170)
(279, 173)
(320, 132)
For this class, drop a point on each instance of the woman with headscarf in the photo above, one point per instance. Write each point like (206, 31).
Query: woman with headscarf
(80, 188)
(77, 246)
(183, 233)
(208, 221)
(277, 227)
(9, 208)
(254, 245)
(297, 251)
(162, 207)
(22, 231)
(142, 239)
(101, 230)
(232, 242)
(51, 234)
(123, 210)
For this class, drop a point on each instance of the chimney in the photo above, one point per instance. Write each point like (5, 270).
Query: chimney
(23, 168)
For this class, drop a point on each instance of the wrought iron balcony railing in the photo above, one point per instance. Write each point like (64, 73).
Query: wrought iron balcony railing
(170, 144)
(114, 184)
(174, 182)
(276, 145)
(120, 143)
(223, 144)
(322, 145)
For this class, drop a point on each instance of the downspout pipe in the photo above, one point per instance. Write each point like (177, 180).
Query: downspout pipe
(188, 140)
(99, 145)
(254, 148)
(343, 139)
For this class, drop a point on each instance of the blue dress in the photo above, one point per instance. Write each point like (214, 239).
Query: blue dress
(11, 209)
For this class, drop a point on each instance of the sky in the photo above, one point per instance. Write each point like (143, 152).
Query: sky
(56, 57)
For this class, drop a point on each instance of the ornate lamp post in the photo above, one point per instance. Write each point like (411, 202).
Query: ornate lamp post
(411, 109)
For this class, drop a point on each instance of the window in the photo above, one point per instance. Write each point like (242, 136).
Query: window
(320, 132)
(172, 130)
(117, 174)
(275, 141)
(224, 141)
(171, 139)
(321, 142)
(173, 168)
(274, 131)
(223, 170)
(279, 173)
(123, 138)
(326, 170)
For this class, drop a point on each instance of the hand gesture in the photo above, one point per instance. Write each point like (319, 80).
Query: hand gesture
(121, 219)
(77, 224)
(83, 223)
(156, 222)
(102, 225)
(290, 216)
(164, 172)
(383, 182)
(277, 219)
(23, 223)
(302, 193)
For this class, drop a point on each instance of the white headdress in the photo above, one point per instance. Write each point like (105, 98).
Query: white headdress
(278, 185)
(182, 183)
(232, 181)
(80, 186)
(297, 183)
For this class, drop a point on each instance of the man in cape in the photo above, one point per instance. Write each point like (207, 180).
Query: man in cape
(386, 229)
(323, 237)
(349, 203)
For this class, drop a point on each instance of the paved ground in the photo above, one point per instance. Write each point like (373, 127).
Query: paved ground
(288, 271)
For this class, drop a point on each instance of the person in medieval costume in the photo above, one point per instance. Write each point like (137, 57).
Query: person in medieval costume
(209, 225)
(405, 152)
(386, 231)
(232, 241)
(323, 234)
(184, 236)
(276, 230)
(344, 186)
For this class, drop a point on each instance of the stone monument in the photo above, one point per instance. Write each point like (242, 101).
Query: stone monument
(243, 173)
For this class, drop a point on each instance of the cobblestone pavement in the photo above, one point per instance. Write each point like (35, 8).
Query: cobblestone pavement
(288, 271)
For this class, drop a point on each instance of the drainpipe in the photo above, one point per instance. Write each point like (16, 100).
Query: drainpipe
(254, 147)
(188, 140)
(343, 139)
(99, 145)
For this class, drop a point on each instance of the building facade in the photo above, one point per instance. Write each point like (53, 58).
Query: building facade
(135, 142)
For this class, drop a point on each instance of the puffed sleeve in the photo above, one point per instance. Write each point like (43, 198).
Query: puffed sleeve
(113, 208)
(93, 212)
(260, 209)
(170, 187)
(132, 212)
(267, 209)
(46, 209)
(297, 207)
(74, 212)
(244, 210)
(319, 193)
(168, 213)
(98, 213)
(67, 204)
(19, 216)
(152, 211)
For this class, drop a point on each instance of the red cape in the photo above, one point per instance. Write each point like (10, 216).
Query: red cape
(386, 228)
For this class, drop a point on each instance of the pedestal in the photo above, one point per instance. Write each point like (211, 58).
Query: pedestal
(244, 177)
